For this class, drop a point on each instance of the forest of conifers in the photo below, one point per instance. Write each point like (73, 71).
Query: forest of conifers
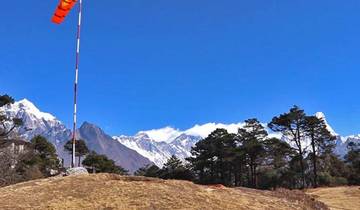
(303, 157)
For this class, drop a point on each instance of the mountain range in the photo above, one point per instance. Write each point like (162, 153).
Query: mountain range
(45, 124)
(131, 152)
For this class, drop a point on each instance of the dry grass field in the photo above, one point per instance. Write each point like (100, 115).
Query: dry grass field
(108, 191)
(338, 198)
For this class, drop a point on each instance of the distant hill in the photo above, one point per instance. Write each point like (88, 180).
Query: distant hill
(108, 191)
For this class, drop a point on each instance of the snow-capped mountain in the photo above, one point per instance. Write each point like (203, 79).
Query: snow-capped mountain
(321, 115)
(341, 142)
(45, 124)
(159, 151)
(36, 122)
(157, 145)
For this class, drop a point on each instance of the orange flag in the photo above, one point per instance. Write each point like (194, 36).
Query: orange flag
(63, 10)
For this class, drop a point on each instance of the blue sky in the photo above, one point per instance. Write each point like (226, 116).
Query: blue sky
(149, 64)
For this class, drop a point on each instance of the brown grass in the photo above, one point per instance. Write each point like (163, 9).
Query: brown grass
(344, 198)
(108, 191)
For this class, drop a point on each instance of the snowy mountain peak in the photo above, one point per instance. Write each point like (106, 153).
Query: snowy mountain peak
(321, 115)
(36, 122)
(28, 107)
(166, 134)
(169, 134)
(158, 145)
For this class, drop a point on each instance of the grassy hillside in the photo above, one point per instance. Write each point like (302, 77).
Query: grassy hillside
(107, 191)
(344, 198)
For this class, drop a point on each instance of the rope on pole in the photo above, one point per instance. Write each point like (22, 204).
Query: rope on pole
(76, 83)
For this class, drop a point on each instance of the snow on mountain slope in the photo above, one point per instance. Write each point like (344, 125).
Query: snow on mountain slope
(158, 145)
(341, 142)
(145, 146)
(166, 134)
(45, 124)
(36, 122)
(321, 115)
(159, 151)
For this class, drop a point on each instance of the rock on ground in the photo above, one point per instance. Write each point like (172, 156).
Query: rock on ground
(76, 171)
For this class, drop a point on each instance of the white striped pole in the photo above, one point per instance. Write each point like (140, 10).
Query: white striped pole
(76, 83)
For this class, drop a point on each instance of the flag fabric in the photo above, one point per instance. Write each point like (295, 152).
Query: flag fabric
(63, 10)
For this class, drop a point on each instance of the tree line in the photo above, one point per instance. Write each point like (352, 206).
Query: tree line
(303, 157)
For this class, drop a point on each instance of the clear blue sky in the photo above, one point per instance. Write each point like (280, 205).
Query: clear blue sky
(148, 64)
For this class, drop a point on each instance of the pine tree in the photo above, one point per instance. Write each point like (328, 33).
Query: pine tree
(213, 158)
(148, 171)
(352, 158)
(202, 162)
(278, 153)
(102, 164)
(251, 138)
(81, 148)
(45, 155)
(174, 168)
(292, 126)
(320, 138)
(7, 124)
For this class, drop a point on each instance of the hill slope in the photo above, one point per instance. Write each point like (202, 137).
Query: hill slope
(108, 191)
(338, 197)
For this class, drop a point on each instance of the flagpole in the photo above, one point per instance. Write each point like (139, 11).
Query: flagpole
(76, 82)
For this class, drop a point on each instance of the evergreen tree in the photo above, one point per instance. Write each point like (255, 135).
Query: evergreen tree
(175, 169)
(148, 171)
(321, 140)
(352, 158)
(80, 146)
(7, 124)
(44, 155)
(101, 164)
(332, 170)
(278, 153)
(251, 138)
(292, 126)
(240, 166)
(212, 158)
(202, 161)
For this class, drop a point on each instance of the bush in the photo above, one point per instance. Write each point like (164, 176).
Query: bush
(325, 179)
(338, 181)
(268, 179)
(96, 163)
(148, 171)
